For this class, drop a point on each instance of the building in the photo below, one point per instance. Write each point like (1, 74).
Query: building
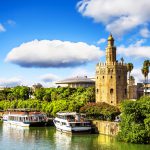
(131, 88)
(143, 89)
(76, 82)
(111, 77)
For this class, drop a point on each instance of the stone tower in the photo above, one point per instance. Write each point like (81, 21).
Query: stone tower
(111, 77)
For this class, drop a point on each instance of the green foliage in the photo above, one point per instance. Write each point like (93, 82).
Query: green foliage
(18, 92)
(135, 121)
(102, 111)
(49, 100)
(39, 93)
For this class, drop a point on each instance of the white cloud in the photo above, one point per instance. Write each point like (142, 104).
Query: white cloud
(49, 77)
(145, 33)
(11, 22)
(55, 53)
(122, 25)
(137, 74)
(10, 82)
(136, 50)
(102, 40)
(119, 16)
(2, 28)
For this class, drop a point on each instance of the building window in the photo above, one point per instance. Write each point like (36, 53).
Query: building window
(119, 77)
(111, 77)
(97, 77)
(111, 101)
(97, 90)
(103, 77)
(111, 91)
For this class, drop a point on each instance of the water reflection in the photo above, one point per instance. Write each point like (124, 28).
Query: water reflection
(62, 140)
(26, 138)
(47, 138)
(73, 142)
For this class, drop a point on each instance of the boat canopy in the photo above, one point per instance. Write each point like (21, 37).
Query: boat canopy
(67, 113)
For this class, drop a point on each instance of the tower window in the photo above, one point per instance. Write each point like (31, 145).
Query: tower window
(97, 90)
(111, 77)
(103, 77)
(111, 91)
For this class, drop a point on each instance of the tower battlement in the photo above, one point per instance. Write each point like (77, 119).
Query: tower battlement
(101, 64)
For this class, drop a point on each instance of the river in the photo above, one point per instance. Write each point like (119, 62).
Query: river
(47, 138)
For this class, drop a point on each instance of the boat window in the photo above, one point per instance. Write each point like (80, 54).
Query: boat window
(63, 123)
(57, 121)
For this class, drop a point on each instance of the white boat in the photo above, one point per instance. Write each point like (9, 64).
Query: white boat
(24, 118)
(71, 122)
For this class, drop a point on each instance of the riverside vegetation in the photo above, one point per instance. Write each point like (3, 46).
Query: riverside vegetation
(135, 121)
(52, 100)
(135, 115)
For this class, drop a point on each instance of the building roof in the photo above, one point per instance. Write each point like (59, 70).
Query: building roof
(77, 79)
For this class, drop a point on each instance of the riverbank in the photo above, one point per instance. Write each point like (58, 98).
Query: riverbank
(105, 127)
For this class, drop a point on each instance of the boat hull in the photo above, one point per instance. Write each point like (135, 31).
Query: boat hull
(70, 129)
(74, 130)
(25, 124)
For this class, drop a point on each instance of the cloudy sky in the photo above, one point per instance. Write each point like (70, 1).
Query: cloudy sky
(42, 41)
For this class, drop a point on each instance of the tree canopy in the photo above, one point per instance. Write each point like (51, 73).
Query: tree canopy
(48, 100)
(135, 121)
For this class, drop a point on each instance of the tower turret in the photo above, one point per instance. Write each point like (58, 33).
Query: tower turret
(110, 50)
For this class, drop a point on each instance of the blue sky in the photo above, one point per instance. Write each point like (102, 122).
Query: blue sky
(46, 40)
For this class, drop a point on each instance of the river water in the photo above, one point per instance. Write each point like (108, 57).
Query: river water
(47, 138)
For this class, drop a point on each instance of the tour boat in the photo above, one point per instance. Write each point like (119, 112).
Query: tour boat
(71, 122)
(24, 118)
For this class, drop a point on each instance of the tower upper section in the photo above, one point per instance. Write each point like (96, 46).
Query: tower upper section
(110, 50)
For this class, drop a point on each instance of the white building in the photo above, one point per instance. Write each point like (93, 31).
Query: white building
(76, 82)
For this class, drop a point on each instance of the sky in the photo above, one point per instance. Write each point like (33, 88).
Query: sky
(43, 41)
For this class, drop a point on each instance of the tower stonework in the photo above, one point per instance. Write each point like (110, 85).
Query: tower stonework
(111, 77)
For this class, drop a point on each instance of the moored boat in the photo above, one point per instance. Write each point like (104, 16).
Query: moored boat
(24, 117)
(72, 122)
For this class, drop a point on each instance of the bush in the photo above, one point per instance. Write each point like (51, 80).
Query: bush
(135, 121)
(102, 111)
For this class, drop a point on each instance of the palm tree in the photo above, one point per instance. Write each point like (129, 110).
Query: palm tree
(147, 64)
(145, 71)
(129, 69)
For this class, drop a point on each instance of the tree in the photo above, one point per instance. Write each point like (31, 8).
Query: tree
(102, 111)
(147, 64)
(129, 69)
(135, 121)
(16, 92)
(24, 92)
(4, 93)
(39, 93)
(20, 92)
(90, 94)
(145, 71)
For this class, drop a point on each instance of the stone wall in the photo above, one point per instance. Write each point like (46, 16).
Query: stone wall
(106, 127)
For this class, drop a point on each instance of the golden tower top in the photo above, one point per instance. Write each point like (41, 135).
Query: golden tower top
(110, 40)
(110, 50)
